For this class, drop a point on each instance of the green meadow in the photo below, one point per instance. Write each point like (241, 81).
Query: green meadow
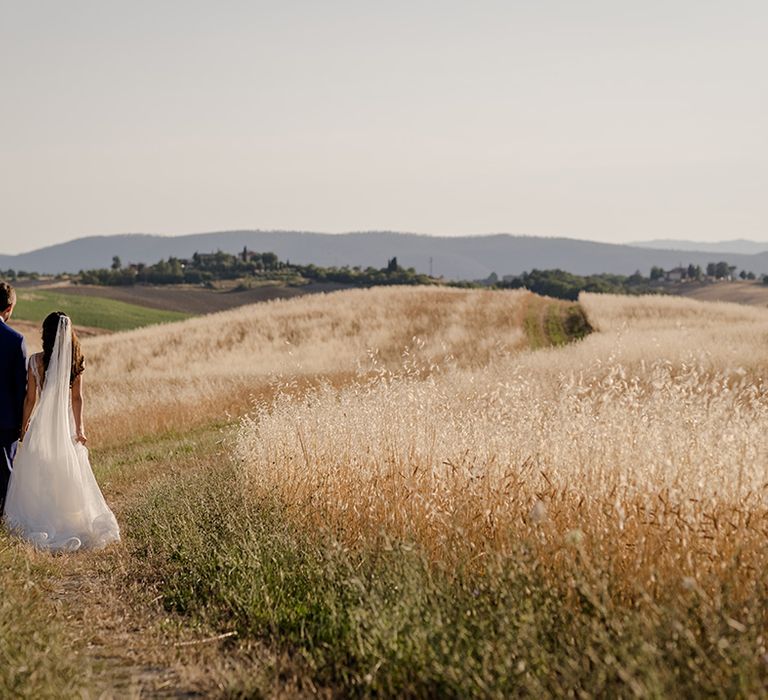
(96, 312)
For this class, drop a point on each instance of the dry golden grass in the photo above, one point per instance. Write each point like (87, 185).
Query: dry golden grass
(430, 423)
(749, 292)
(648, 442)
(171, 376)
(144, 383)
(624, 476)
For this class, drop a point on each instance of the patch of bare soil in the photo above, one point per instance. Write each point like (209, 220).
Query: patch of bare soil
(747, 292)
(194, 299)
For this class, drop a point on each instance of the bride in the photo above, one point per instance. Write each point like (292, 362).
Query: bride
(53, 498)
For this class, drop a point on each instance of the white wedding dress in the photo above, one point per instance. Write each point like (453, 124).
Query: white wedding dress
(53, 499)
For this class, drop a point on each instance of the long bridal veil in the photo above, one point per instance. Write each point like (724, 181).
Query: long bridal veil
(53, 499)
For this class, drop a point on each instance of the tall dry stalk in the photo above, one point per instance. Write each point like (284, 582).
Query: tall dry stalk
(646, 444)
(171, 376)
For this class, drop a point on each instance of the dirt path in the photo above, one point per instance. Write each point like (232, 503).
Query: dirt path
(120, 642)
(126, 643)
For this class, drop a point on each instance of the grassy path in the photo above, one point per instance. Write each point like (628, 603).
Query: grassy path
(121, 642)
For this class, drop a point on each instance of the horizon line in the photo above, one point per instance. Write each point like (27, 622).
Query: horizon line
(634, 243)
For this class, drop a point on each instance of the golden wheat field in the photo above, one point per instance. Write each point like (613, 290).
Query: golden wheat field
(169, 376)
(627, 473)
(648, 439)
(430, 420)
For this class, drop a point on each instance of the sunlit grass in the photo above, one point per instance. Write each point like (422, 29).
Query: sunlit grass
(152, 380)
(416, 504)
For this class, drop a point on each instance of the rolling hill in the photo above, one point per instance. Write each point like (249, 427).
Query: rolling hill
(455, 257)
(737, 245)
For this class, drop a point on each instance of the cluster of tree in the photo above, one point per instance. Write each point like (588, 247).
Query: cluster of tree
(364, 277)
(11, 274)
(198, 269)
(723, 270)
(565, 285)
(209, 267)
(692, 272)
(719, 271)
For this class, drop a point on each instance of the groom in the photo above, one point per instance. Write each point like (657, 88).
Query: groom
(13, 386)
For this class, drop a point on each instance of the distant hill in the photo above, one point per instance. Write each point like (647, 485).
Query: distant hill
(460, 257)
(737, 245)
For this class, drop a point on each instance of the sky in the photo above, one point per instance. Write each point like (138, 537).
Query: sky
(605, 120)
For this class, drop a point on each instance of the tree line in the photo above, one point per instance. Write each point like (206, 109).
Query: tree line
(715, 271)
(206, 268)
(566, 285)
(247, 266)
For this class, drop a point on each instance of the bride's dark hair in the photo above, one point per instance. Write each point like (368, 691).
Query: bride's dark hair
(50, 327)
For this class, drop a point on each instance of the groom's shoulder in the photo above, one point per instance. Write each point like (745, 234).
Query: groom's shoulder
(10, 335)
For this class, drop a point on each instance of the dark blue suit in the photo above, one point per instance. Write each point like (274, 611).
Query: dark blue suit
(13, 386)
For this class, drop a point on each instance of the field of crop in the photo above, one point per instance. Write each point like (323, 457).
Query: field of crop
(94, 312)
(159, 378)
(194, 299)
(428, 492)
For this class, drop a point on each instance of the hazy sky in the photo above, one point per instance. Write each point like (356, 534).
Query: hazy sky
(612, 120)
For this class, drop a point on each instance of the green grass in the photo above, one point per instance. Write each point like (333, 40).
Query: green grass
(96, 312)
(552, 322)
(565, 323)
(36, 657)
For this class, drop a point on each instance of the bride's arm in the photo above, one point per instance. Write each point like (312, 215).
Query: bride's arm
(77, 408)
(30, 399)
